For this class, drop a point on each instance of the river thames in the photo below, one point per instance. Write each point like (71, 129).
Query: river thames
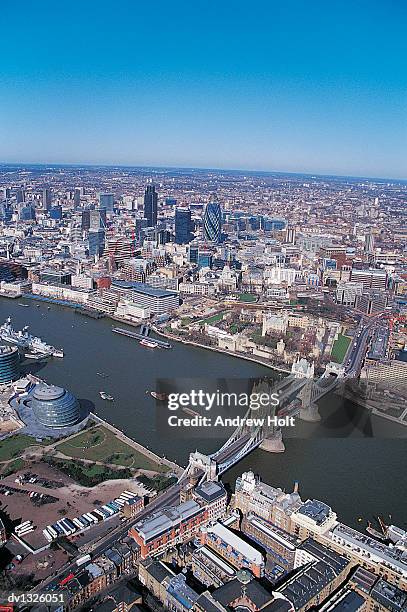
(358, 476)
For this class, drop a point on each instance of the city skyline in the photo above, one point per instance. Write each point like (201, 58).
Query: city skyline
(203, 306)
(160, 168)
(234, 328)
(278, 89)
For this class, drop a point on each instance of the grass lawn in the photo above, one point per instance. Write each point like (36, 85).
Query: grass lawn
(247, 297)
(256, 336)
(13, 466)
(14, 446)
(185, 321)
(159, 483)
(88, 475)
(100, 444)
(213, 319)
(339, 348)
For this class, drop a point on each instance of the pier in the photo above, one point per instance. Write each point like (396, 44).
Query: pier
(89, 312)
(141, 335)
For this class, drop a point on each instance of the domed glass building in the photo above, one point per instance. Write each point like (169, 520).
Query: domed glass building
(54, 406)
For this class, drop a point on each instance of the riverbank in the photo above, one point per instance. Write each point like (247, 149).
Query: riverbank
(216, 349)
(130, 371)
(159, 332)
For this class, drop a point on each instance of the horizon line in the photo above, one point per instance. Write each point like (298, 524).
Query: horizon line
(207, 168)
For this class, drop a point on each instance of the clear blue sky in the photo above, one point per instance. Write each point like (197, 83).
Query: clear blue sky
(311, 85)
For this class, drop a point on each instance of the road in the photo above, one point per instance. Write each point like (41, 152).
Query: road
(358, 351)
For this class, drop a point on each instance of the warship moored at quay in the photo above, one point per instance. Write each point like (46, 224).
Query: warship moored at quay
(33, 345)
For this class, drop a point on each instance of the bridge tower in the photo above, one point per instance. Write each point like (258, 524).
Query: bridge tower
(272, 437)
(309, 409)
(201, 466)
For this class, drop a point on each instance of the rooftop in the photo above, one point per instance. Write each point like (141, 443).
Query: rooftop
(335, 560)
(307, 583)
(389, 595)
(209, 491)
(159, 571)
(315, 510)
(143, 288)
(163, 520)
(285, 539)
(182, 592)
(47, 392)
(233, 589)
(345, 600)
(215, 559)
(231, 539)
(393, 556)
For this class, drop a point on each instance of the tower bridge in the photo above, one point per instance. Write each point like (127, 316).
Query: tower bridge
(298, 393)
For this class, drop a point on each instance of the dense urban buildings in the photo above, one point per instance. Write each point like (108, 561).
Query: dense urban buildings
(306, 275)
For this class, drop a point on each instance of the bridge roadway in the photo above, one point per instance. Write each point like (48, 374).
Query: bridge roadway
(225, 453)
(355, 357)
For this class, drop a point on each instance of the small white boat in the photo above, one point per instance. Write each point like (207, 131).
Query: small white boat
(148, 343)
(106, 396)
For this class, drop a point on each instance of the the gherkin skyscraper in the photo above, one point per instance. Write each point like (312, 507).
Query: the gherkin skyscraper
(212, 222)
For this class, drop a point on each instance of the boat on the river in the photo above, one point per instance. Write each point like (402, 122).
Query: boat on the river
(24, 340)
(161, 397)
(190, 411)
(106, 396)
(375, 533)
(148, 343)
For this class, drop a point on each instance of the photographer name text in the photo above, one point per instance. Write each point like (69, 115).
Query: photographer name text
(219, 421)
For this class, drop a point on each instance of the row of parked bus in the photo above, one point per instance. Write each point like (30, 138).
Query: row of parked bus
(125, 498)
(67, 527)
(24, 528)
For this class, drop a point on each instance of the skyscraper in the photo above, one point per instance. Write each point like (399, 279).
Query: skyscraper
(369, 243)
(212, 222)
(20, 195)
(56, 212)
(77, 197)
(46, 198)
(183, 233)
(193, 253)
(106, 200)
(27, 213)
(97, 219)
(85, 219)
(290, 234)
(150, 205)
(96, 240)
